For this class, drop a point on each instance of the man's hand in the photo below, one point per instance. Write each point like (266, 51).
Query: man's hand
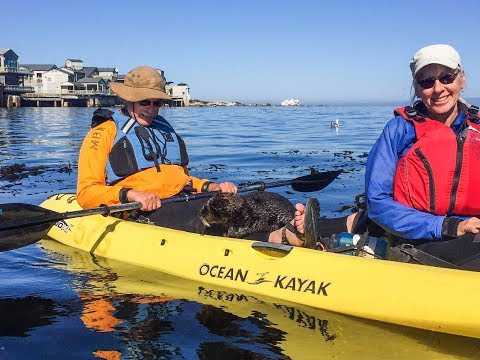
(223, 187)
(149, 201)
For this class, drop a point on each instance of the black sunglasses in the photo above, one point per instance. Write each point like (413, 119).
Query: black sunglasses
(444, 79)
(156, 103)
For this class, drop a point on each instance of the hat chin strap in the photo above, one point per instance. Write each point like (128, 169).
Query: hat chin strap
(133, 111)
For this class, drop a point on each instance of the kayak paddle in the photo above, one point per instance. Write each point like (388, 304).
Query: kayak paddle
(313, 182)
(24, 224)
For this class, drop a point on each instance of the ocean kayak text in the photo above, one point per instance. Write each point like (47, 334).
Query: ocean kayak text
(280, 281)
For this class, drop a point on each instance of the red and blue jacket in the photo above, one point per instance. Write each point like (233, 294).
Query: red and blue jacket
(408, 206)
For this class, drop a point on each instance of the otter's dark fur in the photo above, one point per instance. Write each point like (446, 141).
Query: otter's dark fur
(239, 215)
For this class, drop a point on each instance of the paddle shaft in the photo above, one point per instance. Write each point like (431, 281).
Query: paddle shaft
(312, 182)
(259, 186)
(308, 183)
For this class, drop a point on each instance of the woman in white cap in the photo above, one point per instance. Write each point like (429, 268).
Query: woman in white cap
(135, 154)
(423, 173)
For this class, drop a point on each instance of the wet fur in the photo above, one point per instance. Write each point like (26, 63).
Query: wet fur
(235, 215)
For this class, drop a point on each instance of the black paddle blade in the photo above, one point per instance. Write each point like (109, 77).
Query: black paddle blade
(25, 235)
(315, 181)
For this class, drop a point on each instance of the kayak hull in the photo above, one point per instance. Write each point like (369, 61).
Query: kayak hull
(419, 296)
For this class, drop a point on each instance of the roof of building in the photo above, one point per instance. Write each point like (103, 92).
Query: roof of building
(105, 69)
(4, 51)
(75, 60)
(38, 67)
(90, 80)
(66, 70)
(89, 70)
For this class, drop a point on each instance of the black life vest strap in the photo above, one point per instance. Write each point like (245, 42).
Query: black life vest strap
(472, 114)
(425, 258)
(414, 114)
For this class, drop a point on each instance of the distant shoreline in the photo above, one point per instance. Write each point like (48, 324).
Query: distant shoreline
(203, 103)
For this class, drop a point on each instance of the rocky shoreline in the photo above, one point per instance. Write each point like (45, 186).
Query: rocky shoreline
(203, 103)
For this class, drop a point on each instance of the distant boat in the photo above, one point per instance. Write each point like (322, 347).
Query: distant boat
(290, 102)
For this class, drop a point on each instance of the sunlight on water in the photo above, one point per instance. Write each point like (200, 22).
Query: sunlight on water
(59, 303)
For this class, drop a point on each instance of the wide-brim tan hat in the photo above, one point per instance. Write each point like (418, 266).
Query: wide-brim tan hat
(141, 83)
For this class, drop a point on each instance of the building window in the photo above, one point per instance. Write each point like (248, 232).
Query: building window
(10, 63)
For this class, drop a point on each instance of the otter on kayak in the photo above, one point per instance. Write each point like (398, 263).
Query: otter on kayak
(240, 215)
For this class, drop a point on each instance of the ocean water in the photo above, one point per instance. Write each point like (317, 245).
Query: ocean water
(58, 303)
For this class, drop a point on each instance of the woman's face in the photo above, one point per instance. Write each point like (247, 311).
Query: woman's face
(144, 111)
(440, 98)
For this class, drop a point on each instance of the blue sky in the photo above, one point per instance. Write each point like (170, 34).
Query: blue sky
(252, 51)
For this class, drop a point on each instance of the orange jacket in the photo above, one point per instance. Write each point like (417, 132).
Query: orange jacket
(92, 190)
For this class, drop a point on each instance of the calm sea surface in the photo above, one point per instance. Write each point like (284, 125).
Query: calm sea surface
(59, 303)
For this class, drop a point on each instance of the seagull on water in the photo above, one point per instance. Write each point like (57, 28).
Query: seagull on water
(334, 125)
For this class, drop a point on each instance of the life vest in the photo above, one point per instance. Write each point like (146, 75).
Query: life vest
(440, 173)
(138, 147)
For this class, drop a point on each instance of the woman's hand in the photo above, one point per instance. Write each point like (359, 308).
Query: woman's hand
(149, 201)
(471, 225)
(223, 187)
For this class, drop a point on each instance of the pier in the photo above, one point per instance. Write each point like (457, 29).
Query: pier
(70, 98)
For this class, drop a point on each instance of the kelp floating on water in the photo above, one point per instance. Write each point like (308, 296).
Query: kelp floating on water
(20, 171)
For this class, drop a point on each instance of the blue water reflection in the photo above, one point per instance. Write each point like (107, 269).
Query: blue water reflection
(58, 303)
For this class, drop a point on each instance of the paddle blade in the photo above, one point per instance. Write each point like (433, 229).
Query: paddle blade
(14, 239)
(315, 181)
(25, 235)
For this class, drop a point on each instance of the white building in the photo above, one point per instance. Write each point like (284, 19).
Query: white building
(107, 73)
(52, 80)
(180, 94)
(74, 64)
(37, 70)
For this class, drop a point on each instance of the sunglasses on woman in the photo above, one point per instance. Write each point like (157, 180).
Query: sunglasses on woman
(156, 103)
(446, 79)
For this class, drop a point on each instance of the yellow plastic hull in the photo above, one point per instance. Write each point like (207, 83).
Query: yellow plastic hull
(307, 333)
(419, 296)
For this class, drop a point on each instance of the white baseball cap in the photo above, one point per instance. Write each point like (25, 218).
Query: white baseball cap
(435, 54)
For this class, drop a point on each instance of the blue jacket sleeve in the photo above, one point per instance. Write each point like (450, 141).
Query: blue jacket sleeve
(396, 218)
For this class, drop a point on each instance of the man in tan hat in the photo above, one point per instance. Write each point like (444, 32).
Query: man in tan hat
(135, 154)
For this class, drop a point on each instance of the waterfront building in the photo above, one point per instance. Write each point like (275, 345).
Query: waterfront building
(12, 79)
(35, 78)
(53, 79)
(91, 85)
(71, 85)
(180, 94)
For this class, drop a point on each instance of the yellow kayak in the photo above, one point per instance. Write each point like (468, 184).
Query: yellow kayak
(307, 333)
(419, 296)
